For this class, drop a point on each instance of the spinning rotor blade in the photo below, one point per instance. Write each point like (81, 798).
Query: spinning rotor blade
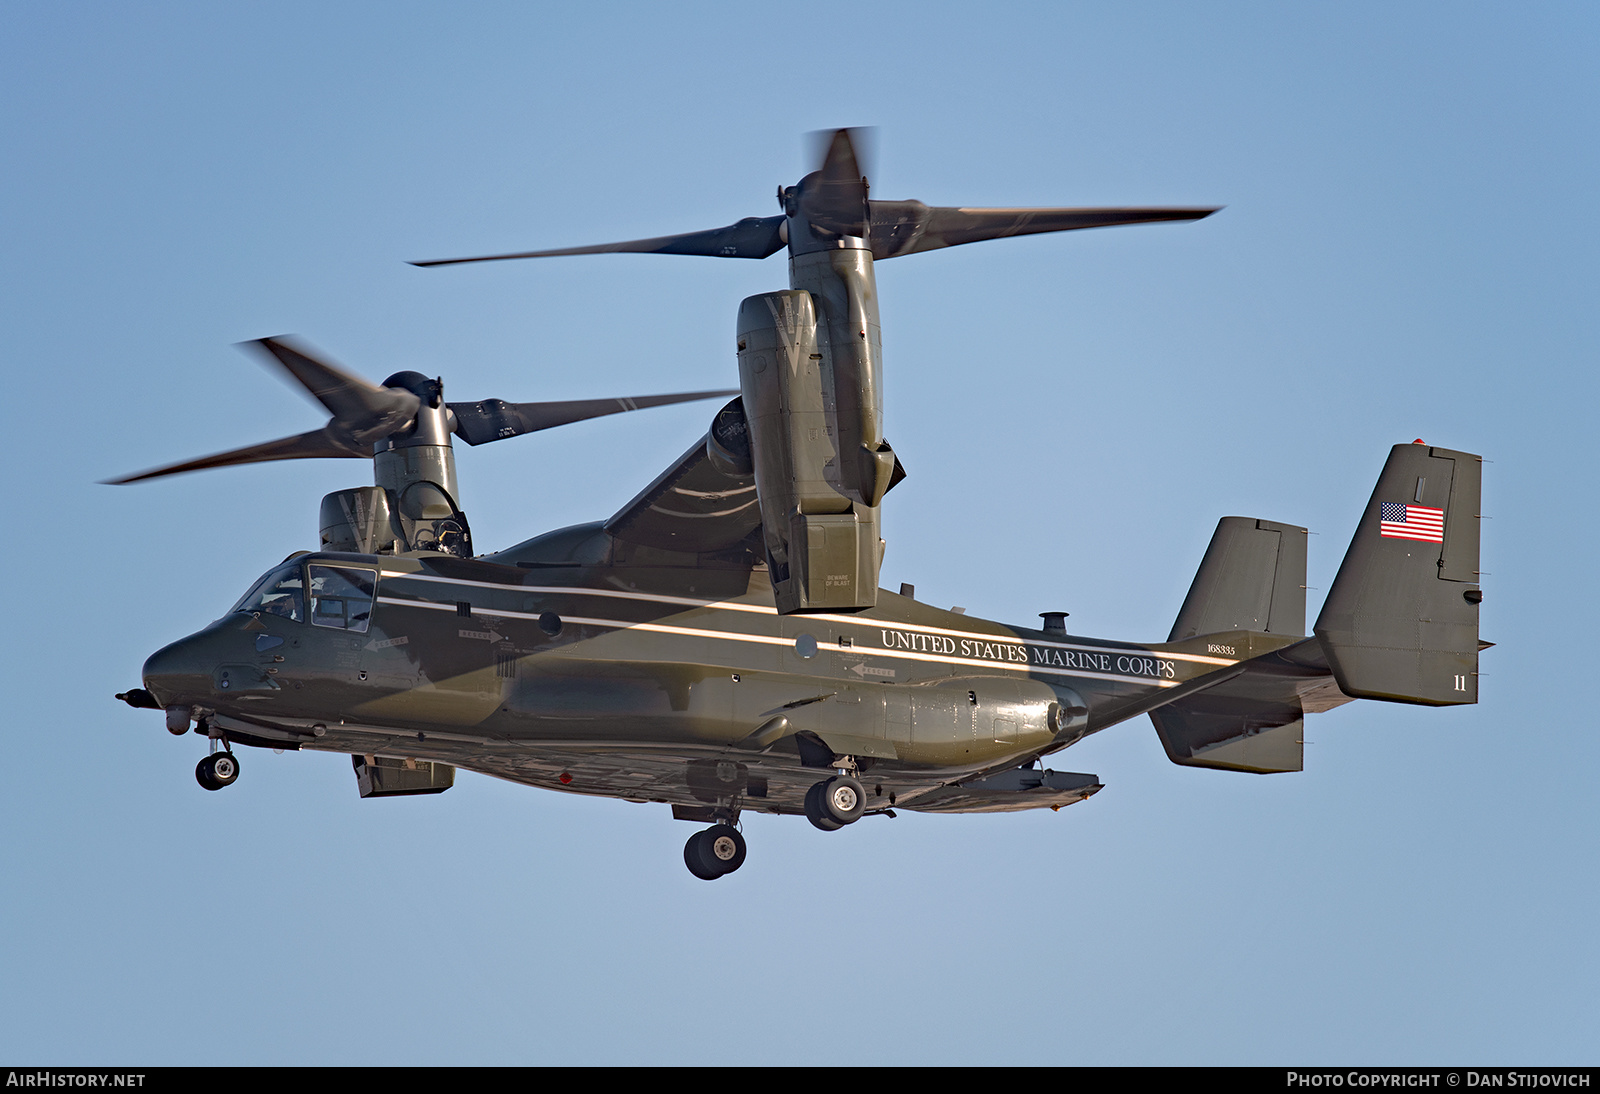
(835, 197)
(317, 444)
(752, 237)
(906, 227)
(359, 406)
(362, 413)
(496, 419)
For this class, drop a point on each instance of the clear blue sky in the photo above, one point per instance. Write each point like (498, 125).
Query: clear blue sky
(1408, 250)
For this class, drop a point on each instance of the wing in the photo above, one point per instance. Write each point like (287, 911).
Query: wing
(693, 506)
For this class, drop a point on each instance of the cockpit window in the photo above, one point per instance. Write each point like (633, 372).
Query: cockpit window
(280, 593)
(341, 597)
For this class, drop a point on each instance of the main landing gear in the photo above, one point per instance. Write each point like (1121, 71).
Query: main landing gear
(836, 802)
(716, 851)
(830, 805)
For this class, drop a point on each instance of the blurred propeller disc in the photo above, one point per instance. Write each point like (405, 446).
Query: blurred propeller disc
(834, 197)
(365, 413)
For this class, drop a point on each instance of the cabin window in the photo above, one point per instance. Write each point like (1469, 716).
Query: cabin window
(342, 597)
(280, 593)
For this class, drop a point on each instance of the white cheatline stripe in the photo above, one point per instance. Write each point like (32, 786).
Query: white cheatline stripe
(760, 609)
(574, 590)
(772, 640)
(921, 628)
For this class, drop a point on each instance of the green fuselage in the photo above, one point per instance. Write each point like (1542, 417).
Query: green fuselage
(555, 665)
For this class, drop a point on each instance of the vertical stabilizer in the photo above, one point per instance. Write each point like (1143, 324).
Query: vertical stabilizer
(1253, 578)
(1401, 621)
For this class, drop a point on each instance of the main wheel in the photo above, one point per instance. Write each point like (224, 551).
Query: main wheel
(817, 813)
(695, 859)
(842, 799)
(217, 770)
(722, 849)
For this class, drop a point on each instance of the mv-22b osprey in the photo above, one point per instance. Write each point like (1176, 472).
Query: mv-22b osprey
(720, 644)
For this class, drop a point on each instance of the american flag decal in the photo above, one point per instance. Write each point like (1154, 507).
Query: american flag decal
(1399, 521)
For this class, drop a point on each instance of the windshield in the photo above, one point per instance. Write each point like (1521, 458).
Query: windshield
(280, 593)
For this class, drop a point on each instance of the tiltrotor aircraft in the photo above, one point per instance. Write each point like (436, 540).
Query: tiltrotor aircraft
(720, 643)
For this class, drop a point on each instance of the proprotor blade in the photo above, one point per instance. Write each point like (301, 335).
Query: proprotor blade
(906, 227)
(362, 413)
(358, 405)
(321, 443)
(835, 197)
(752, 237)
(496, 419)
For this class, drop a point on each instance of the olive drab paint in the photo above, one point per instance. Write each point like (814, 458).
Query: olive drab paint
(818, 506)
(1401, 620)
(720, 643)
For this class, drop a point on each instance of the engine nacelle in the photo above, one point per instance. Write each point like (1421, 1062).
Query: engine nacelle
(358, 521)
(820, 521)
(370, 520)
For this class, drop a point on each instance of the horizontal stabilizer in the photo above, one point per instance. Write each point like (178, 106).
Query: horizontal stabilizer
(1251, 721)
(1401, 621)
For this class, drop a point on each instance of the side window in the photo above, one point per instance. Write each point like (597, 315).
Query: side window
(341, 597)
(280, 593)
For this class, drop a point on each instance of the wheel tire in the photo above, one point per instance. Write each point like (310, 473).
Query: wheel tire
(203, 775)
(695, 860)
(842, 799)
(225, 768)
(722, 849)
(816, 813)
(216, 771)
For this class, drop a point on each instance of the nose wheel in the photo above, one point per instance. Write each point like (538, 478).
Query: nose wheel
(716, 851)
(217, 770)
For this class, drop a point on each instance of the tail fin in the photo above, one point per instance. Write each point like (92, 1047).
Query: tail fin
(1401, 621)
(1253, 578)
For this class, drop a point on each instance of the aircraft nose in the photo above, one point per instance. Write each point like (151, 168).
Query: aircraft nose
(181, 672)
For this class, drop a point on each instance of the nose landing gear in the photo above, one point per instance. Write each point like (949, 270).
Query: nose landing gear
(217, 770)
(718, 850)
